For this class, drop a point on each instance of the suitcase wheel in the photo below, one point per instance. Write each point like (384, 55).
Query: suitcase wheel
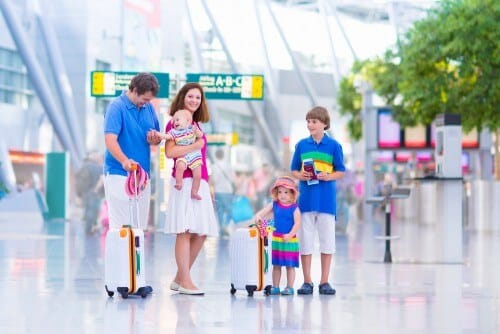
(123, 292)
(250, 289)
(109, 292)
(143, 292)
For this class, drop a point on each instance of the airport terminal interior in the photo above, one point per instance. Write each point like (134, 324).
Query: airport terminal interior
(418, 217)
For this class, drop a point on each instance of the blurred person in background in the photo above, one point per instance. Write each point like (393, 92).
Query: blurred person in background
(345, 198)
(90, 189)
(245, 185)
(262, 178)
(222, 181)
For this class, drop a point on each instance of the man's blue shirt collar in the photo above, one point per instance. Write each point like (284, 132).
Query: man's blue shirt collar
(129, 103)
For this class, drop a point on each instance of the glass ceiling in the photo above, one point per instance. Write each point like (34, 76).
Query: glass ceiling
(317, 31)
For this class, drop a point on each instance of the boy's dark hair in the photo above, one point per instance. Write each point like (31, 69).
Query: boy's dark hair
(321, 114)
(143, 83)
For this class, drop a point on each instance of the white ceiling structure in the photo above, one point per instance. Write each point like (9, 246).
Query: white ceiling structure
(299, 36)
(356, 29)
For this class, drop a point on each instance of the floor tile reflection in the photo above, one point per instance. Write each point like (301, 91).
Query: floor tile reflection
(52, 282)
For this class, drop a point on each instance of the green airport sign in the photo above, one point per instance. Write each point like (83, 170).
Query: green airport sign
(111, 84)
(230, 86)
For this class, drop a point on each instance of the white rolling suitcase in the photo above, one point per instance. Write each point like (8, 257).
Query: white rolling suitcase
(250, 261)
(124, 261)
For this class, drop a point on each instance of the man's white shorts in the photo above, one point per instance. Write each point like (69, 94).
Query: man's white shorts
(324, 225)
(121, 206)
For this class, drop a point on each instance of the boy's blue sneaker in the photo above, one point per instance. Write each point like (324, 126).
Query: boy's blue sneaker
(275, 291)
(306, 289)
(326, 289)
(288, 291)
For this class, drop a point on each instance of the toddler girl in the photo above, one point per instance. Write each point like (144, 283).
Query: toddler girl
(285, 246)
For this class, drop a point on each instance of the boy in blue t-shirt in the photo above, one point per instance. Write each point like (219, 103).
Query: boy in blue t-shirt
(317, 199)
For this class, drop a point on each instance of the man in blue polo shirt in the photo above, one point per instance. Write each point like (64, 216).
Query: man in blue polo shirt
(317, 199)
(130, 127)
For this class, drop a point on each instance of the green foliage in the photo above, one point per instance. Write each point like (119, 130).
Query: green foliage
(450, 63)
(350, 102)
(447, 62)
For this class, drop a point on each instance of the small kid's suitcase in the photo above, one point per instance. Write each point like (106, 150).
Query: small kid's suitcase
(250, 261)
(124, 263)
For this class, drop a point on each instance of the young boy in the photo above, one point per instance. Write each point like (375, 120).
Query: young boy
(317, 199)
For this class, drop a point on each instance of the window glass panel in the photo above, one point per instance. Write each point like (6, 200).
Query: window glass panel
(15, 86)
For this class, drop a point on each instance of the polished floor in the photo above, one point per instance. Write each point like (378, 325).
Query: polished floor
(51, 277)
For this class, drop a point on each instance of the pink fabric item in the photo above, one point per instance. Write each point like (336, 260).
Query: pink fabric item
(104, 214)
(134, 187)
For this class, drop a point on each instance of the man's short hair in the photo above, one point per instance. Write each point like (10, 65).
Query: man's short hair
(143, 83)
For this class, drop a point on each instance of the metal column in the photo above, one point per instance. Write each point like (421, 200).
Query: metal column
(261, 123)
(298, 69)
(62, 82)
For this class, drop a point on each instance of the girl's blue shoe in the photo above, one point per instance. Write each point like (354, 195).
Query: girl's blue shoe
(288, 291)
(275, 290)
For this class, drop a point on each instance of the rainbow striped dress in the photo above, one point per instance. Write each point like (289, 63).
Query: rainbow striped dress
(284, 253)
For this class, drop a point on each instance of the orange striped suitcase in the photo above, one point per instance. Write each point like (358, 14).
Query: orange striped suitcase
(124, 270)
(124, 264)
(250, 261)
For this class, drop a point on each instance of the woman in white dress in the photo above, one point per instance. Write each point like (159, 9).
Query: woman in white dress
(192, 220)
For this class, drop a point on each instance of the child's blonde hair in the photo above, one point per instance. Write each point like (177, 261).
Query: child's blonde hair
(285, 182)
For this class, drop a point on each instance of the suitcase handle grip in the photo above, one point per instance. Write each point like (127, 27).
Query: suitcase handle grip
(138, 262)
(137, 255)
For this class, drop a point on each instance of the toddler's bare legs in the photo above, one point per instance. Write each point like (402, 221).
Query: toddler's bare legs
(290, 276)
(180, 167)
(196, 183)
(276, 276)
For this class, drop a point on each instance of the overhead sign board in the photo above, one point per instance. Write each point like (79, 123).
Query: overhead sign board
(111, 84)
(230, 86)
(222, 138)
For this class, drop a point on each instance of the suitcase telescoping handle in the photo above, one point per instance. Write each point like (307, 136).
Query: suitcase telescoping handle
(134, 170)
(136, 248)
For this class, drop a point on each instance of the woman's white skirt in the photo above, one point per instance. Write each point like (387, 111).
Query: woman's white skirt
(187, 214)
